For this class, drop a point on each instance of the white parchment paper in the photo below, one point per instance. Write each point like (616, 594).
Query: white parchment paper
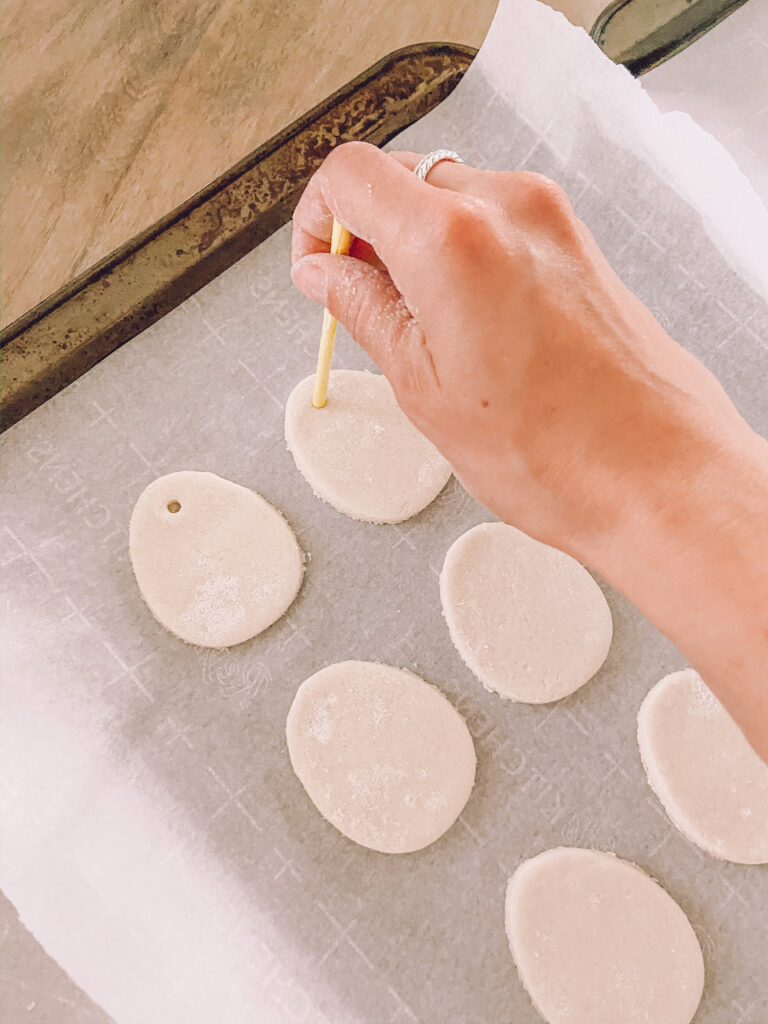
(155, 839)
(722, 82)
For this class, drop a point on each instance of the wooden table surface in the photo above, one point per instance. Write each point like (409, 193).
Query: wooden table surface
(114, 114)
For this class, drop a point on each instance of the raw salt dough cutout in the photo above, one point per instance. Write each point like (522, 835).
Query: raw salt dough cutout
(361, 453)
(382, 754)
(708, 778)
(597, 941)
(214, 561)
(528, 620)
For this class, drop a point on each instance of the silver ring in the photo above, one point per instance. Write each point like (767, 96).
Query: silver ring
(425, 165)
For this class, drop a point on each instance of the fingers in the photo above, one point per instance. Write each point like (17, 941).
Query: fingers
(499, 187)
(304, 244)
(373, 195)
(363, 251)
(380, 200)
(361, 297)
(366, 301)
(397, 219)
(446, 174)
(524, 195)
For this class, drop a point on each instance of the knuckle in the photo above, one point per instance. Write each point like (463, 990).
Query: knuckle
(546, 198)
(458, 227)
(343, 153)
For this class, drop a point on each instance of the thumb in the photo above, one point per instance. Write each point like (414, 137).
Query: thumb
(366, 301)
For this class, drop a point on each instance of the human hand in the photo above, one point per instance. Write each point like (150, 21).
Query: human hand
(507, 337)
(560, 402)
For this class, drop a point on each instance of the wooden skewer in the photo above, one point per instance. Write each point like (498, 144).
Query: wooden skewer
(341, 240)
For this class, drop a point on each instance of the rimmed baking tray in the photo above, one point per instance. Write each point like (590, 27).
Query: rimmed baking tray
(641, 34)
(65, 335)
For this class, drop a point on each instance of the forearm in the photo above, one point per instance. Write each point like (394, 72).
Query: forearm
(693, 557)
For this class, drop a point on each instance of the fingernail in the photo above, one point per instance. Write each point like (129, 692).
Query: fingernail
(309, 277)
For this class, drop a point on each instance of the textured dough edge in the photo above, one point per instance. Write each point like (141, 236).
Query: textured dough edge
(656, 779)
(423, 682)
(301, 465)
(608, 854)
(277, 511)
(466, 657)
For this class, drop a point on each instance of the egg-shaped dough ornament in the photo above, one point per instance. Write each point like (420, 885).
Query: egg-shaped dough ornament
(597, 941)
(382, 754)
(527, 619)
(214, 561)
(360, 452)
(710, 781)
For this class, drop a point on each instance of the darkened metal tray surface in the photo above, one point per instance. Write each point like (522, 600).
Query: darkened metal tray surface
(641, 34)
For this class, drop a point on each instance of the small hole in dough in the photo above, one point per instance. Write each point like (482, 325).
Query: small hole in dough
(174, 506)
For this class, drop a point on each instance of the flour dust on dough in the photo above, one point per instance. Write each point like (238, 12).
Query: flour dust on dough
(361, 453)
(214, 561)
(596, 940)
(383, 755)
(528, 620)
(710, 781)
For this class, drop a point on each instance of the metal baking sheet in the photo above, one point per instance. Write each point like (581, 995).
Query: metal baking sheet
(156, 270)
(156, 841)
